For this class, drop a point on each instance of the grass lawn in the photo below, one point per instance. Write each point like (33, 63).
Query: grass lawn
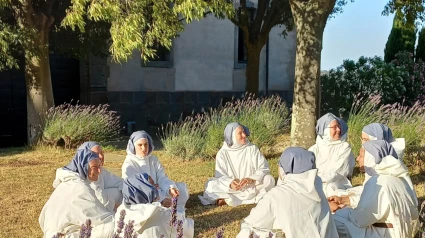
(26, 178)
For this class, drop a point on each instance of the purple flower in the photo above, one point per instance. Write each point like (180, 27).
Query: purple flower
(220, 233)
(179, 229)
(58, 235)
(173, 220)
(253, 235)
(120, 224)
(270, 235)
(128, 230)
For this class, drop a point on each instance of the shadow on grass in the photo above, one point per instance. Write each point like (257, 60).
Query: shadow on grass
(10, 151)
(223, 216)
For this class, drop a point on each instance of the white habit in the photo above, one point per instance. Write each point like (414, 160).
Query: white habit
(297, 206)
(150, 164)
(335, 163)
(108, 189)
(152, 220)
(73, 202)
(388, 197)
(238, 163)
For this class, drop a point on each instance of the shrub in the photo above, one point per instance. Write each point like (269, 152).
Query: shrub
(420, 49)
(405, 122)
(202, 135)
(400, 80)
(73, 125)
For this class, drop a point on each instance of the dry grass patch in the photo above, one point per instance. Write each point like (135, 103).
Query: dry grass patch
(26, 178)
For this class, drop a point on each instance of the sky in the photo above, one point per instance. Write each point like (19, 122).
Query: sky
(359, 30)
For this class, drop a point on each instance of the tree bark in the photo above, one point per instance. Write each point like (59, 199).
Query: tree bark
(37, 75)
(253, 70)
(310, 19)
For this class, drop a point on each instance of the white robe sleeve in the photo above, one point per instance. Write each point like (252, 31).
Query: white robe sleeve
(342, 166)
(128, 169)
(163, 181)
(262, 218)
(221, 170)
(261, 166)
(111, 180)
(371, 207)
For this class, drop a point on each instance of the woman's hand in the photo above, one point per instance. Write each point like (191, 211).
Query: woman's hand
(174, 192)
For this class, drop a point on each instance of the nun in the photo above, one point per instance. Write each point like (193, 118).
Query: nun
(334, 158)
(388, 204)
(150, 218)
(140, 159)
(242, 174)
(108, 188)
(378, 131)
(296, 207)
(374, 131)
(73, 201)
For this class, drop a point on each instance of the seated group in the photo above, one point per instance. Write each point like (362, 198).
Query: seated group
(313, 196)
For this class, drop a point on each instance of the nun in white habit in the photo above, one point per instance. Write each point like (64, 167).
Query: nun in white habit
(297, 206)
(242, 174)
(108, 188)
(334, 158)
(388, 204)
(139, 160)
(141, 205)
(378, 131)
(73, 201)
(373, 131)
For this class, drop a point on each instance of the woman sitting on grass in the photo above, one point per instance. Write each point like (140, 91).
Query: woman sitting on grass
(108, 188)
(334, 158)
(388, 204)
(371, 132)
(242, 174)
(297, 206)
(73, 201)
(140, 160)
(141, 205)
(378, 131)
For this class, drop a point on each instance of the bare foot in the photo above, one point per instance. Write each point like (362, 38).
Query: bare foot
(221, 202)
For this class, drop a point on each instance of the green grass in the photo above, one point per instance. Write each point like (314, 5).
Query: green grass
(26, 177)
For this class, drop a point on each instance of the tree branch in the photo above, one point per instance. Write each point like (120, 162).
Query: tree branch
(258, 21)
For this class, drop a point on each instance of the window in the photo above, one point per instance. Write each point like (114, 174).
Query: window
(241, 47)
(163, 57)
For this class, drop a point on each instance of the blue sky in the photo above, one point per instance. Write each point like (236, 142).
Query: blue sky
(359, 30)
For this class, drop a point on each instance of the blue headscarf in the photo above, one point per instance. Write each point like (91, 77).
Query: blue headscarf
(380, 131)
(138, 190)
(379, 149)
(229, 130)
(324, 122)
(296, 160)
(136, 136)
(80, 162)
(88, 145)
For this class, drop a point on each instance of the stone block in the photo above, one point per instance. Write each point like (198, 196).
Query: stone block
(114, 97)
(162, 97)
(176, 97)
(190, 97)
(139, 97)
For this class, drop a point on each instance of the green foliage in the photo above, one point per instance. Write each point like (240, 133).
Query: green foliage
(398, 81)
(405, 122)
(402, 38)
(73, 125)
(420, 48)
(202, 135)
(139, 25)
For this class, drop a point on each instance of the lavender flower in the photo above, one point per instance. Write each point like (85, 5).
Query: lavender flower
(179, 229)
(128, 230)
(270, 235)
(58, 235)
(120, 224)
(173, 220)
(88, 228)
(253, 235)
(220, 233)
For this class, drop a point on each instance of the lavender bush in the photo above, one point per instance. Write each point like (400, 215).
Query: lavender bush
(75, 124)
(405, 121)
(202, 135)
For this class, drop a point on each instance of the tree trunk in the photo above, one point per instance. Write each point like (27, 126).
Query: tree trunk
(37, 78)
(310, 19)
(253, 70)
